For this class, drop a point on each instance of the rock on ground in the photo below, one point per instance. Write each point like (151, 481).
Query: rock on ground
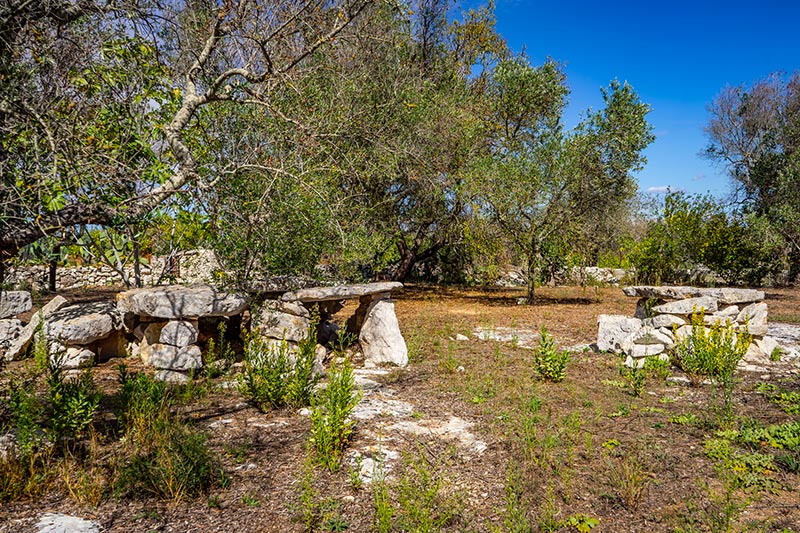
(20, 344)
(14, 302)
(380, 337)
(61, 523)
(164, 356)
(82, 323)
(612, 330)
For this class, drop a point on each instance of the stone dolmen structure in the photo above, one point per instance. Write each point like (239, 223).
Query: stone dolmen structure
(663, 316)
(166, 326)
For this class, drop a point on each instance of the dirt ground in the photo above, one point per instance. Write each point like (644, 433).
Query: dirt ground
(469, 432)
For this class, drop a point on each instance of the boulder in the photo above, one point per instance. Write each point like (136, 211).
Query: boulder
(767, 345)
(280, 325)
(14, 302)
(341, 292)
(687, 306)
(61, 523)
(178, 333)
(646, 335)
(172, 376)
(18, 347)
(166, 357)
(612, 330)
(755, 316)
(73, 357)
(177, 302)
(291, 308)
(83, 323)
(380, 337)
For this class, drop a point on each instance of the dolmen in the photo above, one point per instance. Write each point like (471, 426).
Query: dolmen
(167, 327)
(663, 316)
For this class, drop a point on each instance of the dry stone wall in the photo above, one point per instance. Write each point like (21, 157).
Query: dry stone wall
(663, 317)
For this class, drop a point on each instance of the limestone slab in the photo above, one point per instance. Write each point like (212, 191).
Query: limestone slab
(664, 321)
(15, 302)
(341, 292)
(280, 325)
(177, 302)
(755, 316)
(178, 333)
(83, 323)
(687, 306)
(725, 295)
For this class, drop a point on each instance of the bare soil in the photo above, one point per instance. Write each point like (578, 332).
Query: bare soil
(592, 448)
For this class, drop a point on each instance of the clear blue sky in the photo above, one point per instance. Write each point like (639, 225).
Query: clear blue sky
(678, 55)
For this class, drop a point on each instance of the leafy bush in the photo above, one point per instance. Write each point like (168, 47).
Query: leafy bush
(549, 362)
(162, 455)
(72, 403)
(331, 423)
(712, 352)
(274, 377)
(176, 464)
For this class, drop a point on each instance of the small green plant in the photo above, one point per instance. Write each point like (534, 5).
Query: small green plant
(710, 352)
(634, 376)
(516, 517)
(331, 423)
(250, 500)
(384, 512)
(219, 354)
(628, 478)
(274, 377)
(685, 419)
(548, 362)
(581, 522)
(215, 501)
(71, 403)
(354, 477)
(424, 499)
(656, 368)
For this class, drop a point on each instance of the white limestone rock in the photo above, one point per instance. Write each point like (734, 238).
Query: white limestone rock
(19, 345)
(178, 333)
(82, 323)
(380, 337)
(61, 523)
(71, 357)
(755, 316)
(612, 330)
(664, 321)
(280, 325)
(166, 357)
(14, 302)
(10, 328)
(342, 292)
(177, 302)
(172, 376)
(687, 306)
(292, 308)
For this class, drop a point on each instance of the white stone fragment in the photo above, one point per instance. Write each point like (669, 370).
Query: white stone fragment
(612, 330)
(380, 337)
(687, 306)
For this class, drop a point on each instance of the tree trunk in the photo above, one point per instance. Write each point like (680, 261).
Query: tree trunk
(533, 270)
(51, 277)
(137, 258)
(407, 261)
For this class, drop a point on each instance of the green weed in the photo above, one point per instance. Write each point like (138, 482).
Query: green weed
(548, 362)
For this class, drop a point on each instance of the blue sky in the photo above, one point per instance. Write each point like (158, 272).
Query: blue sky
(678, 55)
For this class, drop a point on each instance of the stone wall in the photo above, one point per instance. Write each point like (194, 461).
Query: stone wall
(663, 317)
(189, 267)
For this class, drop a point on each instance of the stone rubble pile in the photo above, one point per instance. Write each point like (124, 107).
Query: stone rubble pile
(663, 316)
(167, 326)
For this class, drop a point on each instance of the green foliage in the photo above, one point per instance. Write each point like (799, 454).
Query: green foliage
(634, 376)
(788, 401)
(711, 352)
(275, 377)
(548, 362)
(219, 354)
(699, 231)
(71, 403)
(331, 422)
(177, 464)
(162, 456)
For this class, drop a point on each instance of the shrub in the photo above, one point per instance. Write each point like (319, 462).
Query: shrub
(72, 403)
(142, 401)
(176, 464)
(712, 352)
(273, 377)
(549, 362)
(331, 424)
